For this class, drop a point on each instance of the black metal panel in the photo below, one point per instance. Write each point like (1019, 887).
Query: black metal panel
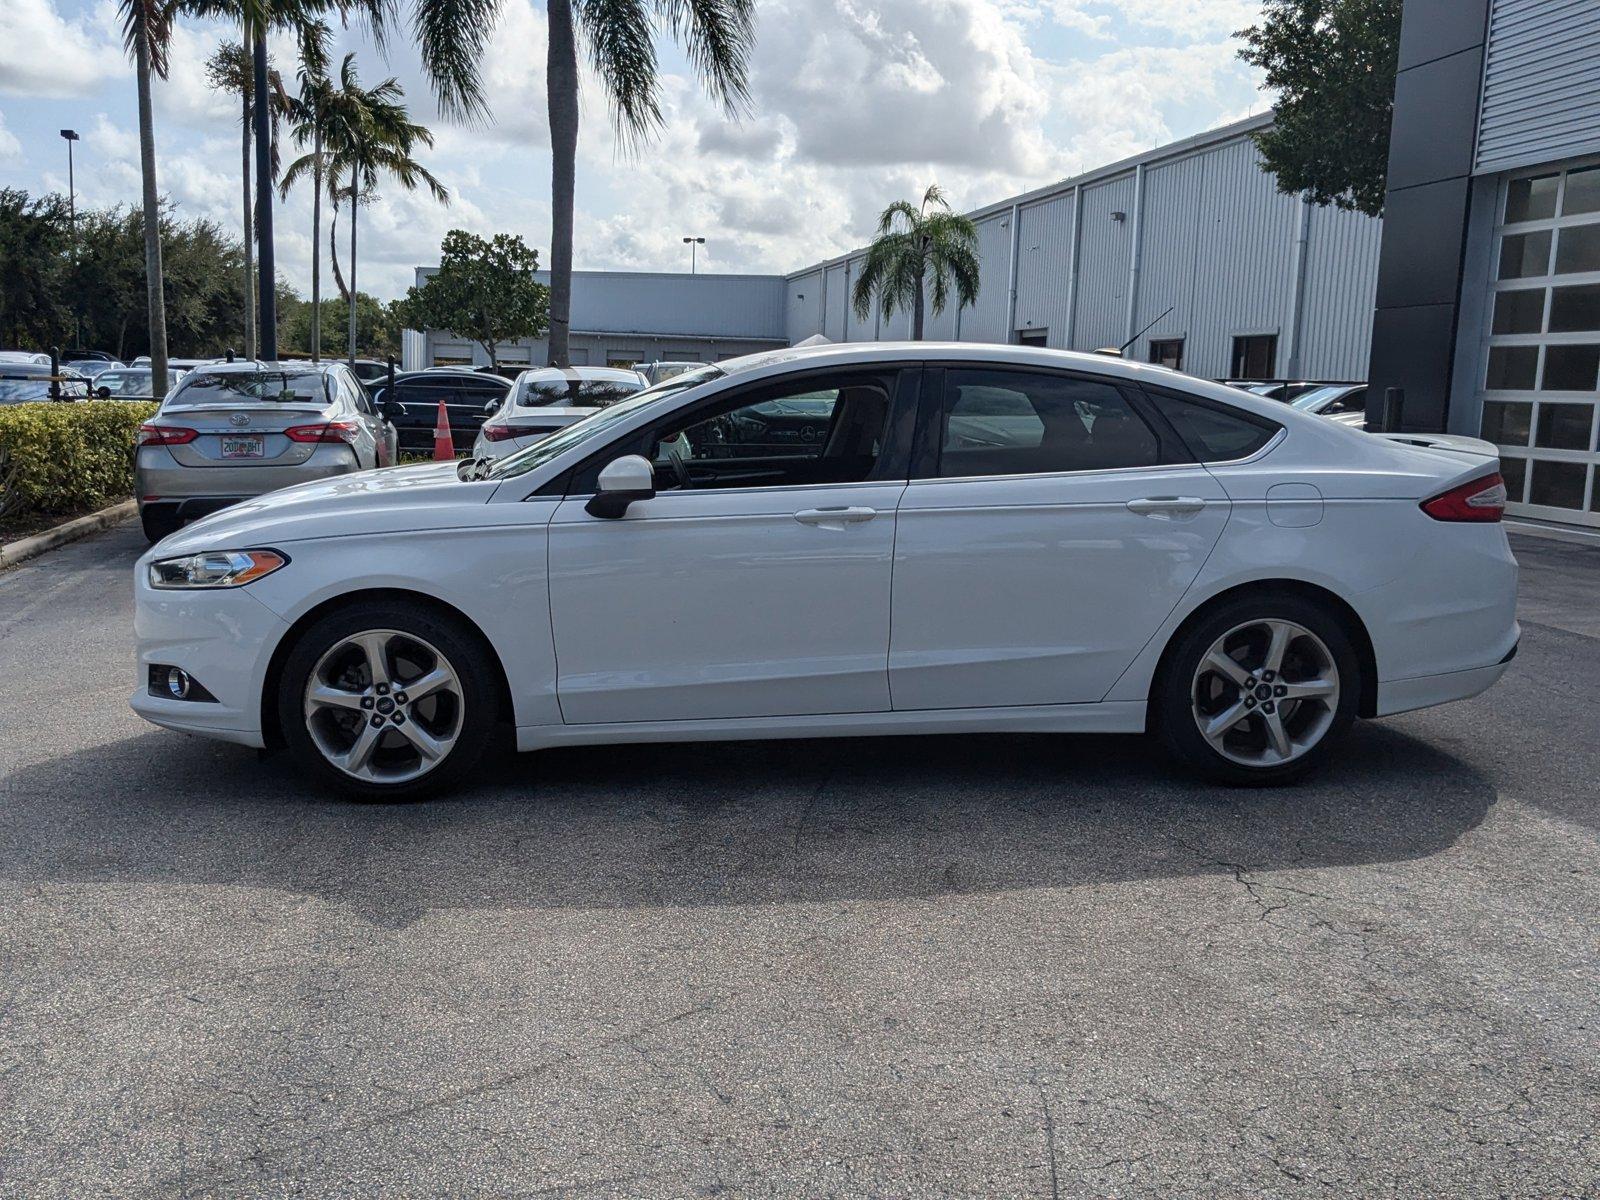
(1435, 120)
(1428, 222)
(1434, 28)
(1412, 349)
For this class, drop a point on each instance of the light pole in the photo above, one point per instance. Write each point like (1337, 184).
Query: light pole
(694, 245)
(71, 135)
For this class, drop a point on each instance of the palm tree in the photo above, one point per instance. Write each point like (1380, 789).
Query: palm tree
(914, 246)
(146, 32)
(309, 109)
(229, 70)
(619, 36)
(368, 133)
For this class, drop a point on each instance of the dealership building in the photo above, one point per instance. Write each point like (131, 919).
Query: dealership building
(1477, 295)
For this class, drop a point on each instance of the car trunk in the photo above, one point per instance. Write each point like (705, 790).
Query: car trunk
(243, 435)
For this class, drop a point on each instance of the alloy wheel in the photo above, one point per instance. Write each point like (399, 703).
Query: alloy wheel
(1265, 693)
(384, 706)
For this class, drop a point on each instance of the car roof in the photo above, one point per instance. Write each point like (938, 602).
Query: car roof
(596, 374)
(249, 366)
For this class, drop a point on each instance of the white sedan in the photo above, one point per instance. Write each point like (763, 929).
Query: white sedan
(545, 399)
(874, 539)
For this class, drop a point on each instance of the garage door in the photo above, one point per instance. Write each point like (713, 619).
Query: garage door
(1540, 366)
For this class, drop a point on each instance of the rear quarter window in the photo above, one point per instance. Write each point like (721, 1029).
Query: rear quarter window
(1213, 432)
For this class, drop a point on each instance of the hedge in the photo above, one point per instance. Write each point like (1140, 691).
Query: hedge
(67, 457)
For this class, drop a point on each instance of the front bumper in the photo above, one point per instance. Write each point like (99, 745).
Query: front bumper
(224, 639)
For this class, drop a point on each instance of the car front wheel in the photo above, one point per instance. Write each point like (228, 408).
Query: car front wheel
(387, 701)
(1258, 690)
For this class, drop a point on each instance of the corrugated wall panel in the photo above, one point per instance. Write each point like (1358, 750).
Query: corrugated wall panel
(1044, 267)
(1167, 274)
(985, 321)
(1244, 238)
(1541, 83)
(803, 315)
(837, 298)
(1341, 291)
(674, 303)
(1105, 246)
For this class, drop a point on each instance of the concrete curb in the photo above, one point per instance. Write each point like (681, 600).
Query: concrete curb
(68, 531)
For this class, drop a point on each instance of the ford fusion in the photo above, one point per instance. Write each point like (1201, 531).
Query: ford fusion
(848, 540)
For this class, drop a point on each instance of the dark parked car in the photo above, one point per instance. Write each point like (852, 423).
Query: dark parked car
(370, 371)
(465, 393)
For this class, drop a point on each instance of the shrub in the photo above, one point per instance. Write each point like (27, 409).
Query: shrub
(62, 458)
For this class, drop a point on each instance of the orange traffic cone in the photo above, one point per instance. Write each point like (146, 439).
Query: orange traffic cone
(444, 449)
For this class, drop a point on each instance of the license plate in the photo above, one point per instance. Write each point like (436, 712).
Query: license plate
(251, 446)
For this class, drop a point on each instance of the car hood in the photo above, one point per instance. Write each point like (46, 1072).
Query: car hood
(389, 500)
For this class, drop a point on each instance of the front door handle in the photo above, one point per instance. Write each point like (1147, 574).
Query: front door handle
(834, 518)
(1167, 507)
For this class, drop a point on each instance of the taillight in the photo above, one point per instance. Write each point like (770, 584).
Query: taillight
(325, 431)
(500, 433)
(1481, 499)
(165, 435)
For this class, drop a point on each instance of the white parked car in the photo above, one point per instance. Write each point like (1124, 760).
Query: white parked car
(1342, 402)
(856, 539)
(660, 372)
(545, 399)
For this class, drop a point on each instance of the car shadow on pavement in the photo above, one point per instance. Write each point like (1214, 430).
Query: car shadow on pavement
(723, 823)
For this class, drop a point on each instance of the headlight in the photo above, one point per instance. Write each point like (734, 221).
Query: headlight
(217, 569)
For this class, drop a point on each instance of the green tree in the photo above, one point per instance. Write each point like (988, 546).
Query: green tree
(310, 110)
(484, 290)
(915, 248)
(1333, 64)
(369, 134)
(34, 249)
(378, 327)
(146, 33)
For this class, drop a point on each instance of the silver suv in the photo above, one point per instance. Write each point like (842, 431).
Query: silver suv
(230, 431)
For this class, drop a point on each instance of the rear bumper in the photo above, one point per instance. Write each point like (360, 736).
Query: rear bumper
(158, 479)
(1405, 695)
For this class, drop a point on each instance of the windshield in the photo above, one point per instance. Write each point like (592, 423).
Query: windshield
(211, 389)
(563, 440)
(1315, 397)
(577, 393)
(123, 382)
(21, 391)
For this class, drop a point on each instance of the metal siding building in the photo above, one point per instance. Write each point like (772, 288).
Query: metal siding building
(634, 316)
(1488, 311)
(1197, 227)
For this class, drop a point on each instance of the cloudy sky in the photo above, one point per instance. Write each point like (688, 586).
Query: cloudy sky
(855, 103)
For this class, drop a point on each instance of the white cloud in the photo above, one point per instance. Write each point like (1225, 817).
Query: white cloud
(9, 146)
(44, 54)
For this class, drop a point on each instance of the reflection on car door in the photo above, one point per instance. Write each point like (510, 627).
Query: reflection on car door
(1048, 536)
(762, 588)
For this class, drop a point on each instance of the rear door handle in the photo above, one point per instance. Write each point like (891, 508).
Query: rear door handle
(1167, 507)
(834, 518)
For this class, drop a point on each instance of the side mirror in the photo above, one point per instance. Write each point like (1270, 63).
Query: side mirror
(491, 408)
(629, 478)
(103, 392)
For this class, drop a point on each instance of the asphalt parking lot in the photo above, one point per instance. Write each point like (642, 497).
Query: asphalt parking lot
(996, 966)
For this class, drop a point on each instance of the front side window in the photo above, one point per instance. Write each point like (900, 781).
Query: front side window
(1021, 423)
(826, 429)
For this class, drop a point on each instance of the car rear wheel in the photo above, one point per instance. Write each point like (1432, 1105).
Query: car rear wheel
(158, 525)
(1258, 690)
(388, 701)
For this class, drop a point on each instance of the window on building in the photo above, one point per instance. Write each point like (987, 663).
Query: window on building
(1255, 356)
(1167, 352)
(1033, 337)
(624, 358)
(452, 358)
(1025, 423)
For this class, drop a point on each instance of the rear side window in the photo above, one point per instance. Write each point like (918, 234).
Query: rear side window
(1212, 432)
(1027, 423)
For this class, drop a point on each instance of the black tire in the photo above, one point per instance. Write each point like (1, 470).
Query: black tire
(158, 525)
(1173, 705)
(467, 655)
